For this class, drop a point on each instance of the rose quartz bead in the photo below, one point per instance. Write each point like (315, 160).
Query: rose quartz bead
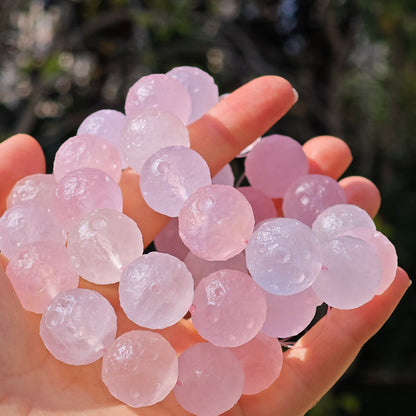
(148, 131)
(87, 151)
(224, 177)
(38, 272)
(210, 380)
(38, 187)
(274, 163)
(200, 86)
(156, 290)
(262, 360)
(102, 243)
(159, 91)
(263, 206)
(351, 273)
(228, 309)
(83, 191)
(27, 223)
(309, 195)
(140, 368)
(385, 250)
(168, 241)
(216, 222)
(78, 326)
(170, 176)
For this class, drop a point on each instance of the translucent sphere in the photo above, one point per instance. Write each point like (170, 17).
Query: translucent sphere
(170, 176)
(263, 206)
(156, 290)
(350, 275)
(201, 88)
(38, 272)
(262, 360)
(87, 151)
(385, 250)
(83, 191)
(102, 244)
(274, 163)
(38, 187)
(210, 380)
(284, 256)
(309, 195)
(224, 177)
(160, 92)
(140, 368)
(168, 240)
(148, 131)
(289, 315)
(78, 326)
(27, 223)
(216, 222)
(228, 309)
(337, 219)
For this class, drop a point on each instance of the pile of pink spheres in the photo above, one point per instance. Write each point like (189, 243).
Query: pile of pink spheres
(247, 276)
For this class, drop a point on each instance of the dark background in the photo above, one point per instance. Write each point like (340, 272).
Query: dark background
(352, 62)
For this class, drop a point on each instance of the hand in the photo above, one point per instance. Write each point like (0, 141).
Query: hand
(33, 382)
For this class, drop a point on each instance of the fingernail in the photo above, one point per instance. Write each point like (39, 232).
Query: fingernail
(296, 94)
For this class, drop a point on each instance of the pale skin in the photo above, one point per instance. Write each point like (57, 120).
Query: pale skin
(33, 383)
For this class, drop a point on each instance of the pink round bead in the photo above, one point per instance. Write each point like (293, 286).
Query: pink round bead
(38, 272)
(262, 360)
(210, 380)
(78, 326)
(148, 131)
(224, 177)
(274, 163)
(159, 91)
(228, 309)
(82, 191)
(38, 187)
(309, 195)
(216, 222)
(140, 368)
(102, 243)
(170, 176)
(200, 86)
(168, 240)
(263, 206)
(87, 151)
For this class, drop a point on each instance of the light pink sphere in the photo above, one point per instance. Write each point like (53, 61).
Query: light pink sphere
(284, 256)
(263, 206)
(38, 272)
(289, 315)
(350, 275)
(87, 151)
(229, 308)
(334, 220)
(274, 163)
(78, 326)
(262, 360)
(385, 250)
(216, 222)
(162, 92)
(170, 176)
(156, 290)
(38, 187)
(210, 380)
(168, 241)
(140, 368)
(309, 195)
(27, 223)
(224, 177)
(82, 191)
(102, 244)
(200, 86)
(148, 131)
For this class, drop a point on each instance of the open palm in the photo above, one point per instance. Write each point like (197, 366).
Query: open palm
(32, 382)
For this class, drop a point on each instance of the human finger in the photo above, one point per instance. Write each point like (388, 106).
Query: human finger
(20, 155)
(320, 357)
(218, 136)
